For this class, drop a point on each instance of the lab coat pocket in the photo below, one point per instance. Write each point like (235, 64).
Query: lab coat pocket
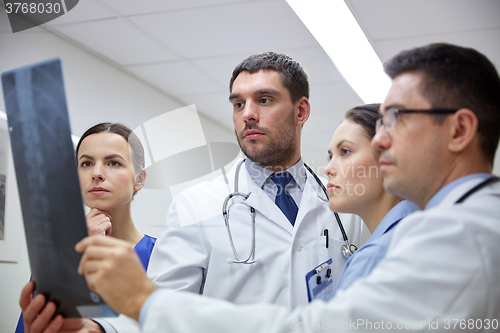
(333, 251)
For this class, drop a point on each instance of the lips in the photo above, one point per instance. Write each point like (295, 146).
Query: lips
(252, 135)
(98, 191)
(384, 164)
(331, 187)
(386, 160)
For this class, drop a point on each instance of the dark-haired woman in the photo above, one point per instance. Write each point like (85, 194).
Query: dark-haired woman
(356, 186)
(111, 170)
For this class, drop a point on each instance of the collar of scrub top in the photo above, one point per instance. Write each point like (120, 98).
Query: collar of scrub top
(445, 190)
(261, 177)
(397, 212)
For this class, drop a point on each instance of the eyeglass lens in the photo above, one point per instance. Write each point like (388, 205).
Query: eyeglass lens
(389, 120)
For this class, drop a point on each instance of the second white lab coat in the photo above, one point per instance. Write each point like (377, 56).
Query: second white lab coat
(194, 257)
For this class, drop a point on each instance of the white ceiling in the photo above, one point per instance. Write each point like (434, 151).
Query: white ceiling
(189, 48)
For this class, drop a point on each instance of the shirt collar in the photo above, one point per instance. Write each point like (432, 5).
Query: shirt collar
(445, 190)
(259, 174)
(397, 212)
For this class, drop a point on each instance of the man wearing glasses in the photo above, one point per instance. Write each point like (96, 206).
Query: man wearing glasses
(437, 139)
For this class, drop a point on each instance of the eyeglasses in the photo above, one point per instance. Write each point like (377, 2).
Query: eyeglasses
(391, 116)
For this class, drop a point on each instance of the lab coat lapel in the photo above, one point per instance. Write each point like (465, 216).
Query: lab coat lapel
(258, 199)
(263, 204)
(312, 198)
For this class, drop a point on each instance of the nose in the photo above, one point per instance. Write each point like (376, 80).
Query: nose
(98, 172)
(331, 169)
(382, 140)
(250, 112)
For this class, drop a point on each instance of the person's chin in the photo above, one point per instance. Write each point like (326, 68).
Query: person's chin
(387, 180)
(391, 185)
(97, 204)
(254, 144)
(387, 174)
(253, 151)
(336, 205)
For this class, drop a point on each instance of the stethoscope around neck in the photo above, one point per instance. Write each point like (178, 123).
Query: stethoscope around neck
(347, 249)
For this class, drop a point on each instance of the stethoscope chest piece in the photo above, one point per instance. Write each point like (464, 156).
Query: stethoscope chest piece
(348, 250)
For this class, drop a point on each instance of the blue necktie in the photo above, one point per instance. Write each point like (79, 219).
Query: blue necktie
(284, 200)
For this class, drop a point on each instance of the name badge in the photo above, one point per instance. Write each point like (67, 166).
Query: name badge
(320, 282)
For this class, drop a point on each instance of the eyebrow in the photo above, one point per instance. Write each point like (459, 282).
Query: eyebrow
(341, 142)
(395, 105)
(108, 157)
(268, 92)
(87, 157)
(257, 93)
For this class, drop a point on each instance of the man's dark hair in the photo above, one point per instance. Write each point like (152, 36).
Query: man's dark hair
(456, 77)
(293, 76)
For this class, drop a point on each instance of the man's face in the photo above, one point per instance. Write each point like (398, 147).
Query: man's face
(265, 119)
(412, 154)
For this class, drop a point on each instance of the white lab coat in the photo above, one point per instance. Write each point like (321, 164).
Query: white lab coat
(442, 268)
(191, 252)
(194, 257)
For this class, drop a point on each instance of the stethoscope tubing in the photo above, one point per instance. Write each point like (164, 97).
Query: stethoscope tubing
(337, 217)
(225, 213)
(347, 249)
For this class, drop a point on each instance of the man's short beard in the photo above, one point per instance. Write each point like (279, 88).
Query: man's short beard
(278, 152)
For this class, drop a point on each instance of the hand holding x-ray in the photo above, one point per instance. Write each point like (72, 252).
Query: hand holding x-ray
(113, 270)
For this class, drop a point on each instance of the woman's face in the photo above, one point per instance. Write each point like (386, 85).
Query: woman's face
(106, 174)
(354, 180)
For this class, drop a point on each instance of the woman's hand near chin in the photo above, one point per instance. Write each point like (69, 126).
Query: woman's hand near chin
(98, 222)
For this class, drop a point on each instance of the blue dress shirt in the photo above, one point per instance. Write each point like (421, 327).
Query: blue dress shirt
(367, 257)
(443, 192)
(262, 177)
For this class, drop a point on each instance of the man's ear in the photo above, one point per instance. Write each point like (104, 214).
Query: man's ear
(463, 130)
(304, 110)
(139, 181)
